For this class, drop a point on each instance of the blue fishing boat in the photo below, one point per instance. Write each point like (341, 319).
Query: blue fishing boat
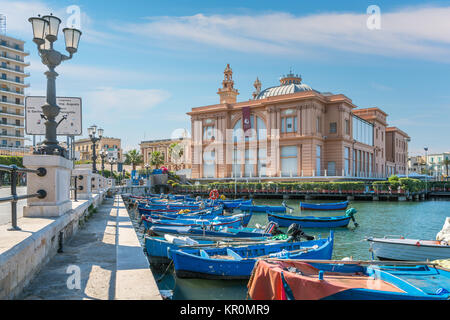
(157, 248)
(216, 232)
(234, 221)
(285, 220)
(238, 263)
(233, 204)
(348, 280)
(261, 208)
(324, 206)
(213, 211)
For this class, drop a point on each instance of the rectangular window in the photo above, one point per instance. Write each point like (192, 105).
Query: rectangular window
(331, 168)
(333, 127)
(346, 161)
(318, 128)
(289, 161)
(288, 124)
(262, 162)
(347, 126)
(318, 160)
(208, 132)
(209, 164)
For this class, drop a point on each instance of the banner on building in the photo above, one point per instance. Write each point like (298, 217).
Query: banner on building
(247, 124)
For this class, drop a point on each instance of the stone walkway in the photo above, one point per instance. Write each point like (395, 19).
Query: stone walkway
(109, 258)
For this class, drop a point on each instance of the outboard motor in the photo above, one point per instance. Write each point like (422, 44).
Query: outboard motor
(296, 233)
(351, 213)
(286, 206)
(272, 228)
(202, 205)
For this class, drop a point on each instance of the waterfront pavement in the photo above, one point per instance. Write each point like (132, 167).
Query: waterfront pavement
(110, 259)
(5, 208)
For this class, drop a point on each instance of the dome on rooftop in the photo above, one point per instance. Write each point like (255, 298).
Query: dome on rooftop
(290, 83)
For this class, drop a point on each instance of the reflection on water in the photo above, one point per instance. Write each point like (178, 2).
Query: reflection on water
(419, 220)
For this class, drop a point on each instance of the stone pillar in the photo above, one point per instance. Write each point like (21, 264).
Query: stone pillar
(56, 183)
(95, 183)
(85, 192)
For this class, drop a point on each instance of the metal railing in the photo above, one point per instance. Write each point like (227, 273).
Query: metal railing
(75, 187)
(13, 198)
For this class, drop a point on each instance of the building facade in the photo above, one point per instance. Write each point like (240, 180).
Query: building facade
(84, 147)
(174, 160)
(12, 102)
(292, 131)
(437, 165)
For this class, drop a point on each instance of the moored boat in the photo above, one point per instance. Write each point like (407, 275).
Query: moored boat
(348, 280)
(285, 220)
(238, 263)
(324, 206)
(216, 232)
(260, 208)
(409, 249)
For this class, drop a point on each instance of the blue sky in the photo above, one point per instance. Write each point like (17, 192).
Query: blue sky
(142, 65)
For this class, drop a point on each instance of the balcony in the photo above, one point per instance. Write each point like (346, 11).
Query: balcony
(7, 90)
(11, 125)
(15, 82)
(11, 103)
(15, 49)
(12, 136)
(19, 72)
(15, 60)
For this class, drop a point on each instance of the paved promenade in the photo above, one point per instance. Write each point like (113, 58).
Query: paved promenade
(110, 260)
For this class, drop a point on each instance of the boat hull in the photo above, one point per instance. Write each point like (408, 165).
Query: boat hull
(189, 264)
(395, 249)
(309, 222)
(324, 206)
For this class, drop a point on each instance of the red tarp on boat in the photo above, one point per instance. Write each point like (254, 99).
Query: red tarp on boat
(266, 283)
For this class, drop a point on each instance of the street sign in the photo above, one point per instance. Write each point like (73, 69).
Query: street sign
(69, 115)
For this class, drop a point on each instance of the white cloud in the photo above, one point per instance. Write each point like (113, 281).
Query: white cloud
(127, 103)
(420, 32)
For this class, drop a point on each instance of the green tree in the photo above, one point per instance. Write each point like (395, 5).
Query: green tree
(156, 159)
(133, 158)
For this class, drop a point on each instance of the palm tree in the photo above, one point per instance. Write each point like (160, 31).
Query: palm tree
(176, 153)
(156, 159)
(133, 157)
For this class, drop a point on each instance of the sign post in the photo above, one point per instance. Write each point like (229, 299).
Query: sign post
(69, 119)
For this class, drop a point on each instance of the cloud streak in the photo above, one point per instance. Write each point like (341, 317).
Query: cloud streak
(419, 32)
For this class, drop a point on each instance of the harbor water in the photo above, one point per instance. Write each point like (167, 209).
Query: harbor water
(416, 220)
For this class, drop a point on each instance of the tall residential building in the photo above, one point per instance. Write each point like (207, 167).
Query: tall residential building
(12, 102)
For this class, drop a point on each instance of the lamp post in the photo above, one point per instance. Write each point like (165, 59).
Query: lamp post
(45, 33)
(103, 155)
(146, 169)
(111, 162)
(92, 135)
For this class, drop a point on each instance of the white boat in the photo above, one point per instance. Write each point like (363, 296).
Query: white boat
(409, 249)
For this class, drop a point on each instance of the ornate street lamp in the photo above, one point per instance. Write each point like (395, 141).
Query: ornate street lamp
(146, 168)
(45, 33)
(103, 155)
(111, 162)
(92, 135)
